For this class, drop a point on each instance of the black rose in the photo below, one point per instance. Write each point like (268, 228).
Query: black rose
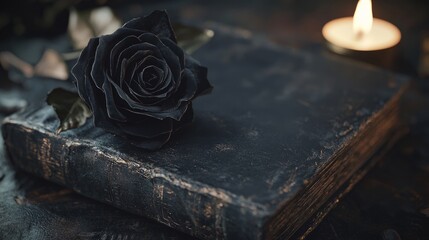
(138, 82)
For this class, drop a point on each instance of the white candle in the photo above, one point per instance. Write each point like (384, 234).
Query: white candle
(362, 32)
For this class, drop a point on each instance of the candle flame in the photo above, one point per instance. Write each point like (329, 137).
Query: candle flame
(362, 19)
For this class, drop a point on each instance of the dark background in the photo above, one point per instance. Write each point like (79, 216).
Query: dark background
(391, 202)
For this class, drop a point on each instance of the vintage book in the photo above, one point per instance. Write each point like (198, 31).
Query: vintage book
(282, 133)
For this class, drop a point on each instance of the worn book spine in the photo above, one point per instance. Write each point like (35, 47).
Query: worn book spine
(190, 207)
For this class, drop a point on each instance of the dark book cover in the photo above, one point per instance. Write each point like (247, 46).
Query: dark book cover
(281, 134)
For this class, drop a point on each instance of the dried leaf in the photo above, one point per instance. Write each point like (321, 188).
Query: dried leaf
(8, 60)
(51, 65)
(191, 38)
(78, 29)
(84, 25)
(69, 107)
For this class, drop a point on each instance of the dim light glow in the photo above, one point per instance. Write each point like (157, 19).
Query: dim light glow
(362, 19)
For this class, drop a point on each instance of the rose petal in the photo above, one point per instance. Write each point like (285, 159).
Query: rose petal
(106, 43)
(132, 103)
(146, 127)
(170, 57)
(111, 106)
(118, 49)
(86, 59)
(200, 75)
(127, 75)
(173, 107)
(157, 22)
(132, 84)
(160, 113)
(176, 49)
(129, 51)
(145, 62)
(169, 84)
(158, 141)
(139, 59)
(86, 87)
(96, 102)
(188, 87)
(156, 76)
(146, 81)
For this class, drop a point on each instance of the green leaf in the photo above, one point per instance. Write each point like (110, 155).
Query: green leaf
(69, 107)
(191, 38)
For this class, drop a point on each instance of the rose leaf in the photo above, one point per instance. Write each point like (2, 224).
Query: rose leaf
(191, 38)
(69, 107)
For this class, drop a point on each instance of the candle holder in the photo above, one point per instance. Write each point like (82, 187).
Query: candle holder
(385, 58)
(363, 37)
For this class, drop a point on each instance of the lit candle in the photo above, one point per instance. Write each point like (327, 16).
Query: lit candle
(360, 34)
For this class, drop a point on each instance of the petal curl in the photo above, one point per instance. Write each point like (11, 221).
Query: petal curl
(102, 54)
(157, 23)
(200, 75)
(146, 127)
(78, 71)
